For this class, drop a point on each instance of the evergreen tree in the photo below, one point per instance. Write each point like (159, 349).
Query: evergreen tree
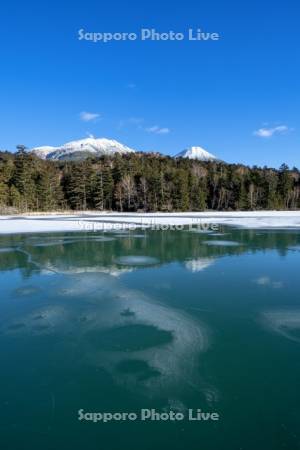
(23, 179)
(148, 182)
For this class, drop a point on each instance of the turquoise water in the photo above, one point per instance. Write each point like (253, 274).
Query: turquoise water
(168, 320)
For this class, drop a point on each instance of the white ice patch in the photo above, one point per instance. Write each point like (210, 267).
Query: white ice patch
(54, 243)
(63, 223)
(219, 243)
(171, 364)
(197, 265)
(199, 231)
(266, 281)
(7, 249)
(113, 270)
(103, 239)
(136, 260)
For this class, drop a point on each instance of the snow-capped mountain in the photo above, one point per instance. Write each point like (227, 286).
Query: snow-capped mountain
(77, 150)
(196, 153)
(81, 149)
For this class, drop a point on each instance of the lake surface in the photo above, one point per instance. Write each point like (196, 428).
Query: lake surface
(163, 320)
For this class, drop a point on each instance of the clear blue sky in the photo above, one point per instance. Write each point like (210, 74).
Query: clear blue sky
(151, 95)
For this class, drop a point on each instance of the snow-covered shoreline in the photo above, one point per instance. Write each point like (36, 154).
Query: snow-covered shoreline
(39, 223)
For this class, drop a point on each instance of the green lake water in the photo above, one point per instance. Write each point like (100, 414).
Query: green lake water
(163, 320)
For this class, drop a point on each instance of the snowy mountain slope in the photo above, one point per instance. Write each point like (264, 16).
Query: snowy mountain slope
(82, 148)
(196, 153)
(44, 151)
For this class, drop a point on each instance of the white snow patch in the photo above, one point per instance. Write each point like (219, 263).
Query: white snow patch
(101, 146)
(196, 153)
(107, 221)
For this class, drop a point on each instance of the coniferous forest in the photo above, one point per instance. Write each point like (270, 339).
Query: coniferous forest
(142, 182)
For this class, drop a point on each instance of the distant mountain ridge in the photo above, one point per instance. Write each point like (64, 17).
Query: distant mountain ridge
(82, 148)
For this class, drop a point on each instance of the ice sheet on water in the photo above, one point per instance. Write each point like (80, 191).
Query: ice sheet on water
(95, 238)
(40, 321)
(104, 239)
(27, 290)
(221, 243)
(137, 260)
(127, 313)
(84, 285)
(119, 230)
(175, 405)
(197, 265)
(134, 337)
(201, 231)
(164, 339)
(48, 241)
(267, 281)
(295, 248)
(53, 243)
(156, 346)
(284, 322)
(130, 236)
(111, 269)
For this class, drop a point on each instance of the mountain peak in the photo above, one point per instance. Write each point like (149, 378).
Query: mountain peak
(196, 153)
(90, 146)
(82, 148)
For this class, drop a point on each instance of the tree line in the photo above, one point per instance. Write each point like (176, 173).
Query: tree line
(142, 182)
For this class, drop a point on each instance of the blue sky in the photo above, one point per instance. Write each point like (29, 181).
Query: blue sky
(238, 97)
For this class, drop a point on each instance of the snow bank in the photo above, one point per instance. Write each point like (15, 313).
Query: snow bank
(112, 221)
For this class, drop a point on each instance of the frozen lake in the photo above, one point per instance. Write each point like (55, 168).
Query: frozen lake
(171, 320)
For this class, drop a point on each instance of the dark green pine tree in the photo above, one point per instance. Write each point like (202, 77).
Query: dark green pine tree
(6, 171)
(78, 185)
(24, 179)
(49, 191)
(181, 190)
(148, 182)
(103, 186)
